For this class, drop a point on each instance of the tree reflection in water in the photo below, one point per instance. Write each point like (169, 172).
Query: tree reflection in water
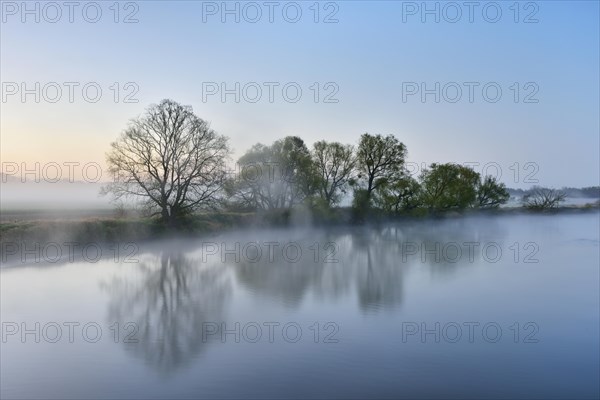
(169, 299)
(371, 262)
(172, 295)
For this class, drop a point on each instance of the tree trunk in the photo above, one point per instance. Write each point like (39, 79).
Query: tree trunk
(170, 216)
(165, 214)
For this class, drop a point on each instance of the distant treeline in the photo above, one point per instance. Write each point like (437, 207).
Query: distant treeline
(592, 192)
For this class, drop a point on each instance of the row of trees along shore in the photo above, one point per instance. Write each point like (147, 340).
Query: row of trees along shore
(173, 162)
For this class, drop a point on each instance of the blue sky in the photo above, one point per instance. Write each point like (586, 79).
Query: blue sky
(374, 51)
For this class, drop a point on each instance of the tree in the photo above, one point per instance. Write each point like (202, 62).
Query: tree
(299, 170)
(447, 186)
(334, 165)
(278, 176)
(402, 194)
(170, 159)
(380, 160)
(491, 193)
(360, 204)
(540, 198)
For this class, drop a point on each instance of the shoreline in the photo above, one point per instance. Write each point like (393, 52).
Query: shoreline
(118, 236)
(105, 226)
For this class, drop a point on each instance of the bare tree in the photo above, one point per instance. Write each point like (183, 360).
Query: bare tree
(334, 163)
(543, 198)
(170, 159)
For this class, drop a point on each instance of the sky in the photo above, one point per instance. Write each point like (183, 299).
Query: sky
(512, 88)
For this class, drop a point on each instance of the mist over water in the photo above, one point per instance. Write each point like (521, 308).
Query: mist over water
(299, 199)
(475, 307)
(46, 198)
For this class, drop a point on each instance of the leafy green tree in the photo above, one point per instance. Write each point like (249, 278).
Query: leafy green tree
(449, 186)
(299, 170)
(380, 160)
(278, 176)
(360, 204)
(491, 193)
(334, 165)
(402, 194)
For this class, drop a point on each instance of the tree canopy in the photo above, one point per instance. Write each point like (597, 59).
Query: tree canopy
(277, 176)
(173, 162)
(447, 186)
(334, 165)
(170, 159)
(380, 160)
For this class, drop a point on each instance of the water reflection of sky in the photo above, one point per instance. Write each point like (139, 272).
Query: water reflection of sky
(176, 292)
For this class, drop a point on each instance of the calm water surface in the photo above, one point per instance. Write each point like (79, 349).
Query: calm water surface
(474, 307)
